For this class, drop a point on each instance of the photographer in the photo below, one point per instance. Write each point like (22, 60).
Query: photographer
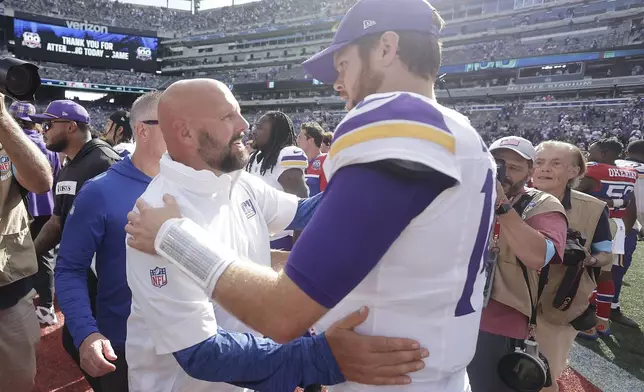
(536, 237)
(23, 168)
(40, 207)
(558, 167)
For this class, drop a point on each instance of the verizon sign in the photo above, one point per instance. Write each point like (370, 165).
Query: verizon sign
(86, 26)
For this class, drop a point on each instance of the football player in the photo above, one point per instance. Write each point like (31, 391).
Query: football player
(310, 140)
(615, 186)
(634, 160)
(279, 162)
(417, 262)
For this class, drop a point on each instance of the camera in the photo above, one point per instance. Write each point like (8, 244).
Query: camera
(526, 369)
(500, 170)
(18, 79)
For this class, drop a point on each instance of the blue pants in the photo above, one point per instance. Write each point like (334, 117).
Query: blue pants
(625, 260)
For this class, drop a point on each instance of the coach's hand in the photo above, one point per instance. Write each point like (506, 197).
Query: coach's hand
(95, 351)
(144, 225)
(373, 360)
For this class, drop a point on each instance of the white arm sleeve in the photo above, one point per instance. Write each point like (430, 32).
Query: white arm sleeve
(193, 250)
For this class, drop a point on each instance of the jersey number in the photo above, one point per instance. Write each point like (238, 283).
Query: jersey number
(615, 191)
(464, 306)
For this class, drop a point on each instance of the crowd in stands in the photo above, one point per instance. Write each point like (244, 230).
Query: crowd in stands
(250, 15)
(564, 39)
(579, 125)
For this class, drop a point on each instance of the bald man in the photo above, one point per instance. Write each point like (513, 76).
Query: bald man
(177, 339)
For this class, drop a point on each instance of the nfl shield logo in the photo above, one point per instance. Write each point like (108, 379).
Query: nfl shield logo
(248, 208)
(158, 277)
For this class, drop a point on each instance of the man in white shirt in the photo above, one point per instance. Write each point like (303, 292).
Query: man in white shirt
(177, 340)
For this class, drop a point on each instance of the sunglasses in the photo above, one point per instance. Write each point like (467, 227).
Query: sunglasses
(46, 125)
(150, 122)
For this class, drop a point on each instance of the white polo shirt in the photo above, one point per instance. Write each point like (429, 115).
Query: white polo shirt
(169, 311)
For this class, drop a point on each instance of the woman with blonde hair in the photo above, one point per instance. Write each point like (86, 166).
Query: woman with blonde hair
(558, 168)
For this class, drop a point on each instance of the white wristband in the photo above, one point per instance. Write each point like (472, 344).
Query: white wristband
(191, 248)
(618, 203)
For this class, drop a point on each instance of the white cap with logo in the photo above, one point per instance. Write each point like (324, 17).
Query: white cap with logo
(517, 144)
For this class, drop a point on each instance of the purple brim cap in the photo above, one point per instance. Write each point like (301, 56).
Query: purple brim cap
(63, 110)
(321, 65)
(368, 17)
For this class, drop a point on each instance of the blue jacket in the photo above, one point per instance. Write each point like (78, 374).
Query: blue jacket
(96, 224)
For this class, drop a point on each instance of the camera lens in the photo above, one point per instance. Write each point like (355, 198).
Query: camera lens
(19, 81)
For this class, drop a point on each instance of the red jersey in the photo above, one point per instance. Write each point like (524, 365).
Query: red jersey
(614, 183)
(315, 178)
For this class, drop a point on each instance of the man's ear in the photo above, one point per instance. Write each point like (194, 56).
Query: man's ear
(388, 48)
(141, 132)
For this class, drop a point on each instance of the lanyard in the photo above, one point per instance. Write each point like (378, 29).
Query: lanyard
(496, 232)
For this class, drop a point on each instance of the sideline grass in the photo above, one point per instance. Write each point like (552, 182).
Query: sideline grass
(626, 347)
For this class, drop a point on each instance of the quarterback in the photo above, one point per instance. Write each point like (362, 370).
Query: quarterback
(408, 209)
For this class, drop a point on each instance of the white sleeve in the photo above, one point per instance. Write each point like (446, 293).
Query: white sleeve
(290, 157)
(278, 208)
(177, 312)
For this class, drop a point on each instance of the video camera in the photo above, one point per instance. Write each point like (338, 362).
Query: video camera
(18, 79)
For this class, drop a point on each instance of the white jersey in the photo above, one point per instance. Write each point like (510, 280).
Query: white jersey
(124, 149)
(428, 286)
(169, 311)
(639, 185)
(290, 157)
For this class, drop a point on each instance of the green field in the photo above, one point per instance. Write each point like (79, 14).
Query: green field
(626, 347)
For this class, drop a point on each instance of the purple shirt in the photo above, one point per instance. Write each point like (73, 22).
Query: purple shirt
(43, 204)
(364, 210)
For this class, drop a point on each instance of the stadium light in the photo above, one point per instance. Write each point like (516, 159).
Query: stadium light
(18, 79)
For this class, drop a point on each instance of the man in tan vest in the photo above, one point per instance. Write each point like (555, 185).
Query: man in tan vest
(537, 237)
(23, 168)
(558, 167)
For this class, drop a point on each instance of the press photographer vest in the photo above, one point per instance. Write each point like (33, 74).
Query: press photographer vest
(17, 253)
(583, 216)
(509, 287)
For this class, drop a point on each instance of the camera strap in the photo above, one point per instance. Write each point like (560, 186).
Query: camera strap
(520, 206)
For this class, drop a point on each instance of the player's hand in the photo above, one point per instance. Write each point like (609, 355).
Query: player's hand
(373, 360)
(2, 105)
(144, 225)
(95, 351)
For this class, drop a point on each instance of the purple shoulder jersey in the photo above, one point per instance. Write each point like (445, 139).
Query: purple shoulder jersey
(43, 204)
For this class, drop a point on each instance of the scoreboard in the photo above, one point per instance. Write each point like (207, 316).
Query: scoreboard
(84, 44)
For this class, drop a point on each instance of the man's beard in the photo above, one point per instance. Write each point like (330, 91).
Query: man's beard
(512, 189)
(221, 158)
(369, 83)
(57, 146)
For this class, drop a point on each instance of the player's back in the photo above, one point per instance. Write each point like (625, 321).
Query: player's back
(428, 285)
(639, 185)
(613, 183)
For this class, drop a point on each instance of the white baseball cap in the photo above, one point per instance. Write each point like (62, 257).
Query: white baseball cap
(517, 144)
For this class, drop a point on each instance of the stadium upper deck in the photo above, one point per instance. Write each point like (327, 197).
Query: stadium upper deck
(487, 43)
